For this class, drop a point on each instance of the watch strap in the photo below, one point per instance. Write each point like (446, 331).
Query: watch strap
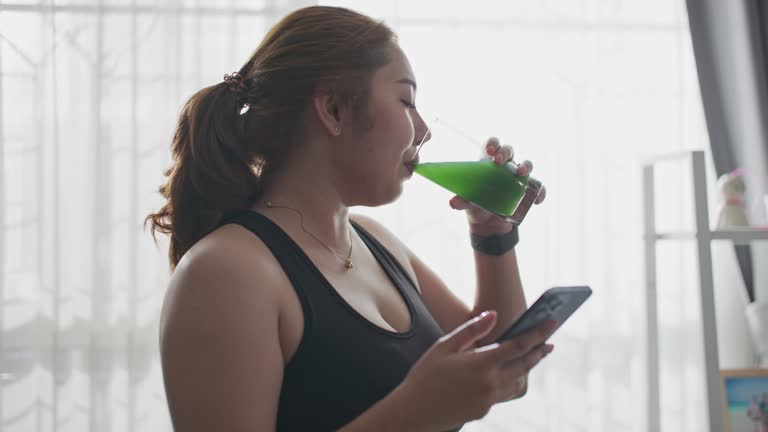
(495, 245)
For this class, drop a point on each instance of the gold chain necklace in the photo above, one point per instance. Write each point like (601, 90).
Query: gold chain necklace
(347, 260)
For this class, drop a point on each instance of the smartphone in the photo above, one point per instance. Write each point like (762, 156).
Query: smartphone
(556, 303)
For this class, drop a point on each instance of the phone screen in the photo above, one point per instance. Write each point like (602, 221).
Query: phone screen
(555, 304)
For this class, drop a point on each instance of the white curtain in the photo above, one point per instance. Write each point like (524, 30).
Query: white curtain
(89, 93)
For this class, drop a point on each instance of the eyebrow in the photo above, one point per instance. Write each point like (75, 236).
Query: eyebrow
(408, 81)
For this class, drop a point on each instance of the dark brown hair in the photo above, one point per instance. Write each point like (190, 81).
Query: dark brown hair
(222, 160)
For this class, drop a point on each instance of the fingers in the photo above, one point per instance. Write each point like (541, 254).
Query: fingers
(519, 346)
(525, 363)
(468, 333)
(525, 168)
(492, 146)
(514, 370)
(459, 203)
(504, 154)
(500, 154)
(514, 375)
(513, 386)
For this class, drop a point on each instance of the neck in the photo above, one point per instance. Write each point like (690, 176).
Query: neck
(305, 183)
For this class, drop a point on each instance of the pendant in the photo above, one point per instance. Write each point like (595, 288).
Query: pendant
(348, 264)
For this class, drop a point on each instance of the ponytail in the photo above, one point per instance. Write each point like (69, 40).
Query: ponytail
(212, 176)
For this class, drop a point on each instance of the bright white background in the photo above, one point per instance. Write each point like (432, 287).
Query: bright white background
(585, 89)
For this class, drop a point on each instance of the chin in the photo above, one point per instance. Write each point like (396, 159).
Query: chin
(395, 196)
(395, 191)
(382, 197)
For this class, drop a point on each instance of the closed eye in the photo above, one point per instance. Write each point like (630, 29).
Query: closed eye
(408, 104)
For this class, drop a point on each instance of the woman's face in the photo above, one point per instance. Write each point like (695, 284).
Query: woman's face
(381, 141)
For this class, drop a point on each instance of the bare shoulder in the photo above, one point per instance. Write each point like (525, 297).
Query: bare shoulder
(232, 248)
(228, 264)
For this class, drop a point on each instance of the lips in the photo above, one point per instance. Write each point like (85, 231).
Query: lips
(411, 162)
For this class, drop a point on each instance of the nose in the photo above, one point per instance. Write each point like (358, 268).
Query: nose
(424, 138)
(423, 132)
(418, 143)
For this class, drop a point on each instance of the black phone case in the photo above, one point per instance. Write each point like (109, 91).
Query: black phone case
(555, 304)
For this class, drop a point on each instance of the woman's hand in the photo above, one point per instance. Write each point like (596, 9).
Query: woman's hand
(455, 382)
(484, 222)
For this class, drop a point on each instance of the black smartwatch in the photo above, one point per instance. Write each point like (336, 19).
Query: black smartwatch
(495, 245)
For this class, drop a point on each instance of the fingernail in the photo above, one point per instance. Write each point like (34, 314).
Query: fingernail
(475, 320)
(484, 314)
(479, 321)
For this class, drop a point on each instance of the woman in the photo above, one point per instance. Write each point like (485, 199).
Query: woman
(284, 311)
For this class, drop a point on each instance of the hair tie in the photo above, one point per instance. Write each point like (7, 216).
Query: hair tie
(235, 82)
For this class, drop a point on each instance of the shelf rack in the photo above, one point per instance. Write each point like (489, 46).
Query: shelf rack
(703, 237)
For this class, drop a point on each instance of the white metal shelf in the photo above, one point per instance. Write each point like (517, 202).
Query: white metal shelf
(703, 236)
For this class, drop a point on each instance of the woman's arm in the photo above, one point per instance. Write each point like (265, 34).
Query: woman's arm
(498, 277)
(221, 354)
(498, 288)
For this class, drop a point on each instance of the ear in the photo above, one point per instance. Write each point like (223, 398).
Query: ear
(328, 109)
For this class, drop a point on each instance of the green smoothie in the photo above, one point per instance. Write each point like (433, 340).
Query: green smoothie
(490, 186)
